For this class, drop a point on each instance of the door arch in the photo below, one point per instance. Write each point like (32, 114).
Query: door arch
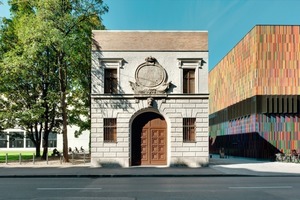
(149, 140)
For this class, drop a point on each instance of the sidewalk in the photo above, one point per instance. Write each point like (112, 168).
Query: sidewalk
(231, 166)
(253, 167)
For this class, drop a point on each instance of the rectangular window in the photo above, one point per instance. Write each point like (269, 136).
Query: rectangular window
(3, 140)
(110, 130)
(52, 140)
(188, 81)
(111, 81)
(29, 143)
(189, 129)
(16, 140)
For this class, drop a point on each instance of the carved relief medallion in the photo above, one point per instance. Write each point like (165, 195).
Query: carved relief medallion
(151, 78)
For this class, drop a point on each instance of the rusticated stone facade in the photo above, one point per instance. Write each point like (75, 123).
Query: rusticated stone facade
(155, 121)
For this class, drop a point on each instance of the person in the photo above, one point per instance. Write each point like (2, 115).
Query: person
(294, 152)
(55, 152)
(81, 149)
(222, 152)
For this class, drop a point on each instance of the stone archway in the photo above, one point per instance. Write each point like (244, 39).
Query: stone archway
(149, 140)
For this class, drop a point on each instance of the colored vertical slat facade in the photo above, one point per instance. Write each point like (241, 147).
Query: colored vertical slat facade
(265, 62)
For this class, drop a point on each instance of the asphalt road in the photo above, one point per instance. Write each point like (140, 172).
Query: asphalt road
(200, 188)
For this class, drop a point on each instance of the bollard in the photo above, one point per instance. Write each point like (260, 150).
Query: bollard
(83, 157)
(72, 158)
(60, 158)
(47, 158)
(33, 161)
(20, 158)
(6, 158)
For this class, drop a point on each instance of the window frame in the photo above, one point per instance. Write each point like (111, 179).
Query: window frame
(52, 140)
(187, 87)
(109, 130)
(3, 139)
(189, 130)
(190, 63)
(29, 143)
(111, 81)
(16, 139)
(111, 63)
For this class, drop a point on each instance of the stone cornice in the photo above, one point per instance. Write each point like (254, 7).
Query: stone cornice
(155, 96)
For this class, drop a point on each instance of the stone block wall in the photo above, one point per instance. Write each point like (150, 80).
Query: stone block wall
(127, 52)
(193, 154)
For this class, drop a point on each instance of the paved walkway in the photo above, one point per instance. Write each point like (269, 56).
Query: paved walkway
(231, 166)
(253, 167)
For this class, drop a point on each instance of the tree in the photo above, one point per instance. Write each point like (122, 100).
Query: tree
(28, 85)
(58, 32)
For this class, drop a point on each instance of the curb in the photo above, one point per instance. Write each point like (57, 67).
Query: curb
(127, 176)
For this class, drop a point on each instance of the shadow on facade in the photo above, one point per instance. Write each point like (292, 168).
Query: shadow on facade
(119, 103)
(250, 145)
(109, 100)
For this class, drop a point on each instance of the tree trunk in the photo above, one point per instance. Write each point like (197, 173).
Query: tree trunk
(64, 130)
(38, 149)
(36, 139)
(45, 145)
(46, 117)
(63, 87)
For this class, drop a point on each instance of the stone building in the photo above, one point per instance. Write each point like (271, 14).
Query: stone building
(149, 98)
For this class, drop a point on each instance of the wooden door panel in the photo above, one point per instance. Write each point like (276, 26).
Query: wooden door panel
(149, 140)
(158, 146)
(144, 147)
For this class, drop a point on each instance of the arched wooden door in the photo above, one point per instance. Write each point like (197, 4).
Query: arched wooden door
(149, 140)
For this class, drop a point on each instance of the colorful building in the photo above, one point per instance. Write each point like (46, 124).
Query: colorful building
(254, 94)
(149, 98)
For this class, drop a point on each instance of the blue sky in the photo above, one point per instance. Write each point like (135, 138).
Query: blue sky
(227, 21)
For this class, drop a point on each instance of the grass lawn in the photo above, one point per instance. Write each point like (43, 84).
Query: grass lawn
(27, 157)
(15, 156)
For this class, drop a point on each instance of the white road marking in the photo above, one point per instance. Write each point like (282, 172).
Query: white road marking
(263, 187)
(68, 188)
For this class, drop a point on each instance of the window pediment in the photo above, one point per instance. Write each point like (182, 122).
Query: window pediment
(195, 62)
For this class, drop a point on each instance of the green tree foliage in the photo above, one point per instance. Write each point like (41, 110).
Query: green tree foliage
(45, 64)
(28, 82)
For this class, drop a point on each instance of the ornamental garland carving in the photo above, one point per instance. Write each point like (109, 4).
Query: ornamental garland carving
(150, 78)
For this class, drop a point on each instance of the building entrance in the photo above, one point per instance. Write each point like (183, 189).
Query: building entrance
(149, 140)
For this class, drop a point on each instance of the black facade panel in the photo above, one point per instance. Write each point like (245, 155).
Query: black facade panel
(296, 104)
(267, 104)
(285, 104)
(280, 105)
(270, 105)
(264, 104)
(275, 106)
(290, 104)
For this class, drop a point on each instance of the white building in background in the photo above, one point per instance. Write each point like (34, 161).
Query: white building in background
(15, 140)
(150, 98)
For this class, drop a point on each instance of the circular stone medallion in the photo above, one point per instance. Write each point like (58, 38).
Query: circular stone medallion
(150, 75)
